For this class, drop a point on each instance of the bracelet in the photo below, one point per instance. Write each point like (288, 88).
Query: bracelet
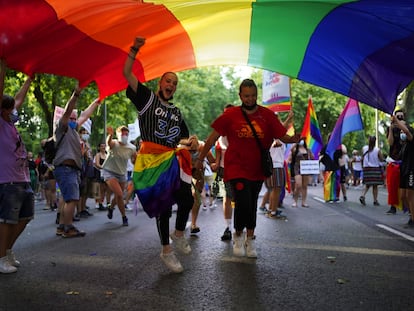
(199, 160)
(131, 57)
(134, 49)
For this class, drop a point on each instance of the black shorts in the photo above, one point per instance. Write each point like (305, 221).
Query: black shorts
(407, 180)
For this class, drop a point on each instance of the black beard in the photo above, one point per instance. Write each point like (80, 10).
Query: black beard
(244, 106)
(161, 95)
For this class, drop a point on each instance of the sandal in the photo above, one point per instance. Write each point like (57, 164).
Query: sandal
(362, 200)
(305, 205)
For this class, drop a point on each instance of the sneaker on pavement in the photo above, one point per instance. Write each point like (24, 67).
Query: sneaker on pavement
(238, 245)
(6, 266)
(12, 259)
(125, 221)
(195, 229)
(110, 212)
(362, 200)
(392, 210)
(181, 243)
(410, 223)
(263, 209)
(85, 213)
(73, 232)
(226, 235)
(251, 247)
(276, 215)
(60, 230)
(171, 261)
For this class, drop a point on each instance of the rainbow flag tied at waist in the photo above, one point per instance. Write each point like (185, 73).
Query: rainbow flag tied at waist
(158, 172)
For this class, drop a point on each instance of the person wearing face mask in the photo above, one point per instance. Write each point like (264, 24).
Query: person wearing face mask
(407, 166)
(16, 194)
(243, 169)
(68, 162)
(393, 164)
(114, 168)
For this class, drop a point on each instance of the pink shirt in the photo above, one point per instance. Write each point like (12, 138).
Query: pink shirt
(13, 164)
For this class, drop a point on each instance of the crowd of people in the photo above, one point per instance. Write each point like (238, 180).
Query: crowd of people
(172, 167)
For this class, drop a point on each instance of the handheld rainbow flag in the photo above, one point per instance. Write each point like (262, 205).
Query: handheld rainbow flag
(311, 130)
(349, 121)
(276, 91)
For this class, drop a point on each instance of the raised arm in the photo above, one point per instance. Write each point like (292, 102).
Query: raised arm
(21, 94)
(128, 74)
(88, 112)
(70, 105)
(288, 120)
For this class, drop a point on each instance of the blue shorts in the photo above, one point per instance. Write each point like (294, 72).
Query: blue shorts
(16, 202)
(68, 179)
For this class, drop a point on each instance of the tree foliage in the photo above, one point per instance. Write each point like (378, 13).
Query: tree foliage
(201, 95)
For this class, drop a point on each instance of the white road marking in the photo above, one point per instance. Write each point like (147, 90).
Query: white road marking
(401, 234)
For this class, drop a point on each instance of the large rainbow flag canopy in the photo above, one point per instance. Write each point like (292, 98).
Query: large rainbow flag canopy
(362, 49)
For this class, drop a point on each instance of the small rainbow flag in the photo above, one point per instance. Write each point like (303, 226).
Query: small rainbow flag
(311, 130)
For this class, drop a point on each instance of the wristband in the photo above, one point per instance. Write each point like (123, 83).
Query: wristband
(134, 49)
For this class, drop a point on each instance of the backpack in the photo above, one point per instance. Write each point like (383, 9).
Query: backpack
(50, 148)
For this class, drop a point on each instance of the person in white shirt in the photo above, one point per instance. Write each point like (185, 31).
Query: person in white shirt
(372, 159)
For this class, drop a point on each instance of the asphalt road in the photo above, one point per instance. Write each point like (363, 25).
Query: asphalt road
(326, 257)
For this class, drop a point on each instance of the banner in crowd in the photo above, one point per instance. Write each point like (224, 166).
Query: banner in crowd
(276, 91)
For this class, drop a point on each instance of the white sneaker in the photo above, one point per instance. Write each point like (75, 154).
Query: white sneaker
(238, 245)
(5, 266)
(181, 243)
(251, 247)
(171, 262)
(12, 259)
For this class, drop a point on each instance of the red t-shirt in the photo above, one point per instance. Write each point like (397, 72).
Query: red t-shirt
(242, 158)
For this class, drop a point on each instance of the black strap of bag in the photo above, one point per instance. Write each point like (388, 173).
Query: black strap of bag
(259, 143)
(266, 159)
(60, 140)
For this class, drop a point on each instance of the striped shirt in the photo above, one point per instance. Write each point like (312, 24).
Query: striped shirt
(159, 122)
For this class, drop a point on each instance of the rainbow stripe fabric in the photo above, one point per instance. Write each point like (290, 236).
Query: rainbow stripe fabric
(362, 49)
(158, 172)
(311, 130)
(331, 185)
